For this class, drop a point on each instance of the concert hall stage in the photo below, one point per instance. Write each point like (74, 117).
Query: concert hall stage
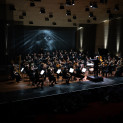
(59, 89)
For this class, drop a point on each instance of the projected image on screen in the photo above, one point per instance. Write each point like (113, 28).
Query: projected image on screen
(42, 38)
(49, 40)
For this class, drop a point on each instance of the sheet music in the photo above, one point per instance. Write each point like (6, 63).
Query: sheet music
(42, 72)
(22, 69)
(83, 70)
(58, 71)
(71, 70)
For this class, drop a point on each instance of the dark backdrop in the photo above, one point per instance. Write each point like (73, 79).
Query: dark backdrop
(112, 37)
(89, 38)
(28, 39)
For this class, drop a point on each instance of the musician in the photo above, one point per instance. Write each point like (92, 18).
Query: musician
(110, 68)
(31, 74)
(96, 62)
(79, 74)
(104, 70)
(66, 75)
(51, 77)
(41, 80)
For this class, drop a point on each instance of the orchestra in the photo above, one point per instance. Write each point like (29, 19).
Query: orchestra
(67, 64)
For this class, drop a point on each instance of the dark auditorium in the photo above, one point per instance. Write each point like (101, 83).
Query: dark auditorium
(61, 61)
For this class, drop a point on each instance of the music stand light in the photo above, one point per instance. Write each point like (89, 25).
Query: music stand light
(42, 72)
(58, 71)
(71, 70)
(84, 70)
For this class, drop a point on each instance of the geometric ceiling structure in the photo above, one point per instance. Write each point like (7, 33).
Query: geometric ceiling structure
(63, 13)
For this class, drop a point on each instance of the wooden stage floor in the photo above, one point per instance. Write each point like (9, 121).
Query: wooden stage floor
(11, 91)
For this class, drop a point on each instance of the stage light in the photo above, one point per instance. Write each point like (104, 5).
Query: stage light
(70, 2)
(32, 4)
(73, 3)
(105, 20)
(81, 38)
(86, 9)
(118, 37)
(42, 10)
(95, 5)
(106, 32)
(94, 18)
(80, 28)
(91, 4)
(68, 12)
(91, 14)
(74, 16)
(61, 6)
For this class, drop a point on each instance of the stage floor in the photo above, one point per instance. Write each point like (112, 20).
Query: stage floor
(23, 91)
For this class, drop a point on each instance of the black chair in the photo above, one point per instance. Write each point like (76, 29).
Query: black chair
(119, 72)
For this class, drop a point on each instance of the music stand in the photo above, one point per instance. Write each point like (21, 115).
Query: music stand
(58, 71)
(22, 71)
(83, 70)
(71, 70)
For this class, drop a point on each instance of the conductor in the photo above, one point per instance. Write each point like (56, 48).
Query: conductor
(96, 62)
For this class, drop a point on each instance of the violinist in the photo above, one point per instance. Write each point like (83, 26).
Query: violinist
(41, 78)
(79, 73)
(66, 75)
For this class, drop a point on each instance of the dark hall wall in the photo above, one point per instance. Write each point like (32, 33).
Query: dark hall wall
(2, 32)
(89, 38)
(121, 36)
(115, 36)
